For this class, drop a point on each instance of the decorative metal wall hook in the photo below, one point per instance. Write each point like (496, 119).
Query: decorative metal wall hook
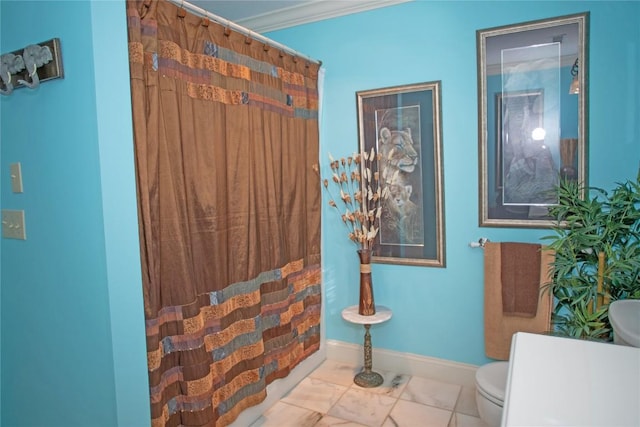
(42, 62)
(35, 56)
(8, 87)
(9, 64)
(35, 80)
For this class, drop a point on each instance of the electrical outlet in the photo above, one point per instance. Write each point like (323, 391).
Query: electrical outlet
(13, 226)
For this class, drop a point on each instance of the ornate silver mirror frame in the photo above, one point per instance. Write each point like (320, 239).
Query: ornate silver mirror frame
(532, 95)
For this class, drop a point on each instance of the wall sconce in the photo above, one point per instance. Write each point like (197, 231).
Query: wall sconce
(30, 66)
(574, 89)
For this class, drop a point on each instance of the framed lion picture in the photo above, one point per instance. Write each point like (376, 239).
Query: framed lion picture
(403, 123)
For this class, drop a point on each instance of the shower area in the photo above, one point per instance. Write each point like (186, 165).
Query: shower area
(226, 148)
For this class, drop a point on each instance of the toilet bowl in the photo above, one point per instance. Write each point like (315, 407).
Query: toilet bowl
(624, 316)
(491, 384)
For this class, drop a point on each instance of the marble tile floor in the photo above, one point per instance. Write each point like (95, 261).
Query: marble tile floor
(328, 397)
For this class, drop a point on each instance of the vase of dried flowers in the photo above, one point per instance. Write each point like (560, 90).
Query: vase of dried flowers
(357, 180)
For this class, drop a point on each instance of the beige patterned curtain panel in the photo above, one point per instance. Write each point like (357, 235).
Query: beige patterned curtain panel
(226, 139)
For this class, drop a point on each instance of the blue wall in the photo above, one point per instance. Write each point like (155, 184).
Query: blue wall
(438, 312)
(72, 319)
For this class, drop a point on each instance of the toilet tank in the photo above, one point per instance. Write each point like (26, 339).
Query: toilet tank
(555, 381)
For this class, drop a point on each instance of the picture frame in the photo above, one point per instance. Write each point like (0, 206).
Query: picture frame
(404, 124)
(532, 78)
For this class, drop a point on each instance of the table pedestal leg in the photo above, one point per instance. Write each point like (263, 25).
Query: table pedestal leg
(368, 378)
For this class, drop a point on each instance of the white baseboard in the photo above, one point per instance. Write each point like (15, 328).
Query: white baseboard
(404, 363)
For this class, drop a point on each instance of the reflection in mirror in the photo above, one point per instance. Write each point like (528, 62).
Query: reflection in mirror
(532, 96)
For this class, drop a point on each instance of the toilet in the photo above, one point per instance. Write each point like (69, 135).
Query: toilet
(491, 384)
(491, 379)
(624, 316)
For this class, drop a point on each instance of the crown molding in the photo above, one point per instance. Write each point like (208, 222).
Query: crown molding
(311, 11)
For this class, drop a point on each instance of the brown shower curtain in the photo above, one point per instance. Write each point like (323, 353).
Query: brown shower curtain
(226, 137)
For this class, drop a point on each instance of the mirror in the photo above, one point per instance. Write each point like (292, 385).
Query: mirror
(532, 94)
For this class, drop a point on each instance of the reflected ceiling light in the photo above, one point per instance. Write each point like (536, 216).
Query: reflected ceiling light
(538, 134)
(574, 89)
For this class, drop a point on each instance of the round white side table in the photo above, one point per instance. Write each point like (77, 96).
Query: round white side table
(367, 378)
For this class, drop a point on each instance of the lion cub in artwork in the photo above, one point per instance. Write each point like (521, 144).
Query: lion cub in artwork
(401, 216)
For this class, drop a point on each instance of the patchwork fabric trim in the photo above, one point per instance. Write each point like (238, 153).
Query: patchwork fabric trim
(198, 70)
(286, 330)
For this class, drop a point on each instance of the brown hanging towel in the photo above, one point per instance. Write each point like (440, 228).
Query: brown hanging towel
(499, 327)
(520, 276)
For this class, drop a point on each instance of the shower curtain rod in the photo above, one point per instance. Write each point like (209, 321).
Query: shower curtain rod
(239, 28)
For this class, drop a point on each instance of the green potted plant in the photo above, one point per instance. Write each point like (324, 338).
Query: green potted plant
(597, 245)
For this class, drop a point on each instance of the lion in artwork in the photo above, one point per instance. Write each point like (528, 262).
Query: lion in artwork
(397, 150)
(401, 218)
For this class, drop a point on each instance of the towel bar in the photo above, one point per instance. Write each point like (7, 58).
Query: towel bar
(480, 243)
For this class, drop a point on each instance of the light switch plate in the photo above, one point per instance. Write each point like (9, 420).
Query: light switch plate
(16, 177)
(13, 226)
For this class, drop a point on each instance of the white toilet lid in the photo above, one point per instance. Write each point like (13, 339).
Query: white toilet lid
(492, 379)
